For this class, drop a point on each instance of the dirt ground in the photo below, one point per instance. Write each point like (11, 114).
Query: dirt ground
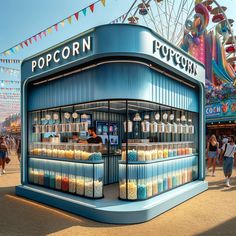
(210, 213)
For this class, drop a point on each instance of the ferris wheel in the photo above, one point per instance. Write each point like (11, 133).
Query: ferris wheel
(168, 17)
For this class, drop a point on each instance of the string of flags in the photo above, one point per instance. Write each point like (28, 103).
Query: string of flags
(9, 70)
(11, 89)
(119, 19)
(10, 61)
(9, 82)
(54, 28)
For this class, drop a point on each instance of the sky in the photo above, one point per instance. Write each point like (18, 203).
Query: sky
(21, 19)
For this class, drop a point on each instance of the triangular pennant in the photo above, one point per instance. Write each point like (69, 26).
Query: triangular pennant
(84, 11)
(26, 43)
(40, 35)
(49, 30)
(12, 50)
(103, 2)
(76, 15)
(62, 23)
(69, 19)
(45, 33)
(91, 7)
(8, 52)
(56, 27)
(35, 38)
(17, 48)
(30, 40)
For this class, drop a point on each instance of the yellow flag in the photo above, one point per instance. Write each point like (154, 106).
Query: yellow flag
(103, 2)
(17, 48)
(49, 30)
(69, 19)
(62, 23)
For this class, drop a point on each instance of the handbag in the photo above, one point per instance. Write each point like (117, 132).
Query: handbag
(8, 160)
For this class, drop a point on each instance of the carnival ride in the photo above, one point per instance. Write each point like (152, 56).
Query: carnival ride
(202, 29)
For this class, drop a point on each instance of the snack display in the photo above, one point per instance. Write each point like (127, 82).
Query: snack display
(149, 179)
(153, 151)
(63, 150)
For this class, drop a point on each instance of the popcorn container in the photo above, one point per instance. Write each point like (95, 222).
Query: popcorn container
(58, 175)
(72, 177)
(165, 150)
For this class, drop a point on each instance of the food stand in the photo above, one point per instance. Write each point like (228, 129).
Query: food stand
(145, 98)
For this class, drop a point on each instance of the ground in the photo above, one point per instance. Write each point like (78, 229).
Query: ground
(210, 213)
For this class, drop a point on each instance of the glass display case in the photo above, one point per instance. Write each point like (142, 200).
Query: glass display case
(154, 151)
(146, 180)
(83, 179)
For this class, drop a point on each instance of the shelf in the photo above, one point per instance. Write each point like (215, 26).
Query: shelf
(66, 159)
(158, 160)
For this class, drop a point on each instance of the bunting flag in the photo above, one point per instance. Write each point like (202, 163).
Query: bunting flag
(56, 27)
(103, 2)
(76, 15)
(84, 11)
(62, 23)
(91, 7)
(10, 61)
(49, 30)
(69, 19)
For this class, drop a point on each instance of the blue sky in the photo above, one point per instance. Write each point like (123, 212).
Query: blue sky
(21, 19)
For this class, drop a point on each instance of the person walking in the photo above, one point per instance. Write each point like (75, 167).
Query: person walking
(3, 155)
(212, 153)
(228, 153)
(18, 149)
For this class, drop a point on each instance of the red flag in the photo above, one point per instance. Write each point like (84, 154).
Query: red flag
(30, 40)
(45, 33)
(76, 15)
(56, 27)
(35, 38)
(91, 7)
(21, 44)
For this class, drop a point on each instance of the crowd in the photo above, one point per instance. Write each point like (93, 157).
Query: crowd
(9, 145)
(221, 151)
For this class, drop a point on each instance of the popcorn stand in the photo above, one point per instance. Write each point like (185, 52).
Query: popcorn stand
(145, 99)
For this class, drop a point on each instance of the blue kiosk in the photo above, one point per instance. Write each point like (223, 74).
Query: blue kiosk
(145, 99)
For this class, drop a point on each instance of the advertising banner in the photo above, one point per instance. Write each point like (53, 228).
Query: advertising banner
(219, 110)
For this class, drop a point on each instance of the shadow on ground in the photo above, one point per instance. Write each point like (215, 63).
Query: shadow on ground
(25, 214)
(226, 228)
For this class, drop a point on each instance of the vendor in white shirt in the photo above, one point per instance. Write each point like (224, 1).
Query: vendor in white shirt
(228, 153)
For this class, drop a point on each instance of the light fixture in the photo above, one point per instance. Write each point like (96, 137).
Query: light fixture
(47, 117)
(172, 116)
(55, 116)
(84, 116)
(165, 116)
(157, 116)
(75, 115)
(137, 117)
(67, 115)
(183, 118)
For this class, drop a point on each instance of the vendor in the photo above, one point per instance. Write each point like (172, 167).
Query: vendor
(93, 136)
(75, 137)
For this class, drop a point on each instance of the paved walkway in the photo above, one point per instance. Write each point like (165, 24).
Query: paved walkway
(210, 213)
